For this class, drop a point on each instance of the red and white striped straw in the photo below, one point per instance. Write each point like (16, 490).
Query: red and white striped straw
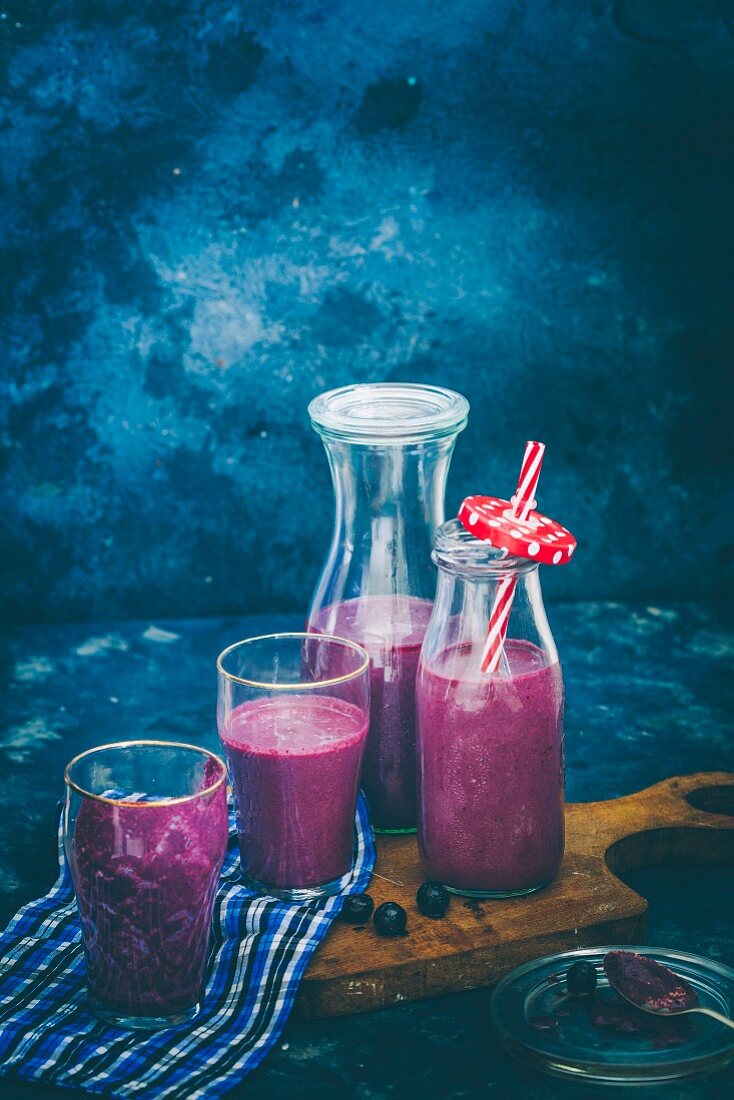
(523, 502)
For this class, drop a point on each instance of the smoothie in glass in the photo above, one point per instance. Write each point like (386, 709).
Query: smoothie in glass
(145, 873)
(295, 762)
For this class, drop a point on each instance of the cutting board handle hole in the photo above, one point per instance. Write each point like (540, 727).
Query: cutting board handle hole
(669, 846)
(713, 800)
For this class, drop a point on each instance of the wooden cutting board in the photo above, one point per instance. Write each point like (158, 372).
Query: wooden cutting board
(684, 820)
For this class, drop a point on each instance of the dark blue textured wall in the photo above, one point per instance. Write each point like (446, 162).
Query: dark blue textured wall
(214, 210)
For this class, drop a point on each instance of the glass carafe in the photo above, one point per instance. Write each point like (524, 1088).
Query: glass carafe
(389, 447)
(490, 745)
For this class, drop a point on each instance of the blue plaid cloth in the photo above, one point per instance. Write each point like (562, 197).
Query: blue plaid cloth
(261, 948)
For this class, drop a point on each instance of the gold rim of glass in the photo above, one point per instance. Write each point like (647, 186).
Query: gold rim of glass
(307, 685)
(157, 802)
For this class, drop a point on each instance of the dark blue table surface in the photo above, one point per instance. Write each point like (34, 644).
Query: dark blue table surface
(650, 692)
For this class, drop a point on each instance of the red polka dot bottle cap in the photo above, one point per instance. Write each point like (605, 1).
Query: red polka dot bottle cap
(535, 537)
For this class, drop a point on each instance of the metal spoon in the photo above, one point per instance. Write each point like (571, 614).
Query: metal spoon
(629, 975)
(680, 1011)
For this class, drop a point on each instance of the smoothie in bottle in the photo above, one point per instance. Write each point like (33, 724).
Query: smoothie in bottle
(391, 629)
(491, 761)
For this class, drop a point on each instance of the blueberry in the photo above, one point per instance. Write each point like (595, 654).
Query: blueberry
(357, 909)
(581, 978)
(433, 899)
(390, 919)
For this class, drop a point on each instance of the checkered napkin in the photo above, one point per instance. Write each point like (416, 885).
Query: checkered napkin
(260, 950)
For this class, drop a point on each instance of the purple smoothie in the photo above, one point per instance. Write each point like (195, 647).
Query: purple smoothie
(490, 759)
(295, 762)
(391, 629)
(145, 877)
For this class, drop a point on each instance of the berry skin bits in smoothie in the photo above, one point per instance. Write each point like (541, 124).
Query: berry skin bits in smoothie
(491, 771)
(145, 872)
(295, 765)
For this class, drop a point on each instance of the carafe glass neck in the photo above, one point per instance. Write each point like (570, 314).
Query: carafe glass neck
(389, 447)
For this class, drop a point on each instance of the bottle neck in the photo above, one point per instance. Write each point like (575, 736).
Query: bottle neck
(458, 551)
(465, 599)
(403, 485)
(389, 505)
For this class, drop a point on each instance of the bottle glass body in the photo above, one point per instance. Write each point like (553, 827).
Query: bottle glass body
(389, 448)
(490, 745)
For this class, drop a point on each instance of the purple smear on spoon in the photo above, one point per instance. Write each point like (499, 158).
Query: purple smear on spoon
(648, 984)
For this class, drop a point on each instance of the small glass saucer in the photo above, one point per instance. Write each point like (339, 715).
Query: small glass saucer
(602, 1038)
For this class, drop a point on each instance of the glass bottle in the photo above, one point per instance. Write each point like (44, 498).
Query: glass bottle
(490, 745)
(389, 446)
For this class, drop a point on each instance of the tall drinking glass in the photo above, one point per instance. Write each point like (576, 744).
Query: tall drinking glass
(293, 713)
(145, 833)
